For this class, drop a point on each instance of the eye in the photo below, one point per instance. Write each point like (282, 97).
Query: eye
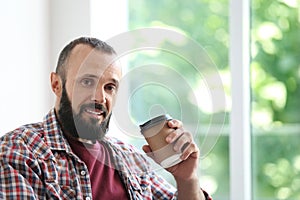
(110, 87)
(87, 82)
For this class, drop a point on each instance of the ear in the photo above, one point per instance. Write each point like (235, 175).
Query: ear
(56, 83)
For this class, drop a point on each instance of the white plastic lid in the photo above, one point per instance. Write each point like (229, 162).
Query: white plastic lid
(154, 121)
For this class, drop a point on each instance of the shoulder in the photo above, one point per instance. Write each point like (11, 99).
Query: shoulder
(23, 139)
(121, 145)
(139, 169)
(127, 154)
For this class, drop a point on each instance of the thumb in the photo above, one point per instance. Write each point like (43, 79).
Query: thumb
(147, 149)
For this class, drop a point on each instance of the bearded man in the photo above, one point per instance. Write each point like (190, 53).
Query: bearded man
(69, 156)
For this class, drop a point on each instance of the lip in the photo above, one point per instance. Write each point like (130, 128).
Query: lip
(95, 113)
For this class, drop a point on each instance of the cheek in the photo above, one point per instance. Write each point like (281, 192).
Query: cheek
(112, 102)
(78, 98)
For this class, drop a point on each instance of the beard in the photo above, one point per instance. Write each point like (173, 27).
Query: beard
(75, 125)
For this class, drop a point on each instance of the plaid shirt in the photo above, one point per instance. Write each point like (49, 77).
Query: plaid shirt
(36, 162)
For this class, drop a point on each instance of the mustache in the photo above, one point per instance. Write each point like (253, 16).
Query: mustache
(95, 106)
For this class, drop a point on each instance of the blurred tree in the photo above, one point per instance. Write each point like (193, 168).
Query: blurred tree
(275, 75)
(275, 54)
(206, 22)
(275, 72)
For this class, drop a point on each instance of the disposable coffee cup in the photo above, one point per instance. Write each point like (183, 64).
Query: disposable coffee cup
(155, 132)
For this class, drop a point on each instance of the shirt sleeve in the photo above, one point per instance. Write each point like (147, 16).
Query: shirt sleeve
(153, 185)
(17, 178)
(161, 189)
(13, 184)
(20, 172)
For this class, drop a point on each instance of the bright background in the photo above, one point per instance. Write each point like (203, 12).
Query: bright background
(33, 32)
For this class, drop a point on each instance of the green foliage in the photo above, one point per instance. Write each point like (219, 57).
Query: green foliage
(277, 166)
(275, 51)
(275, 71)
(204, 21)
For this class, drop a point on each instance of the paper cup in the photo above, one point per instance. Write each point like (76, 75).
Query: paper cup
(155, 132)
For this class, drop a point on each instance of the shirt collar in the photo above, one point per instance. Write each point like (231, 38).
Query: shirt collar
(54, 137)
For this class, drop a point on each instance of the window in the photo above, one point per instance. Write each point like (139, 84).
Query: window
(275, 75)
(187, 93)
(257, 154)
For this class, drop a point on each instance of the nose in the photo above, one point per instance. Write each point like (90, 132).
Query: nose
(99, 95)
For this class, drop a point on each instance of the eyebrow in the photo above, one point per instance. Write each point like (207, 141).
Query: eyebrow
(89, 76)
(115, 81)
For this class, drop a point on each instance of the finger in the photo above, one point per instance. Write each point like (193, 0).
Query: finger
(174, 123)
(182, 142)
(190, 150)
(174, 135)
(147, 149)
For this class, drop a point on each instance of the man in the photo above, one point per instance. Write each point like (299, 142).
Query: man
(69, 156)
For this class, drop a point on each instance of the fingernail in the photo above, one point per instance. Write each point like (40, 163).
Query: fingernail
(171, 122)
(168, 139)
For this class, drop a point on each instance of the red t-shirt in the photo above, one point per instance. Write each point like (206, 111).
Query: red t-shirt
(105, 180)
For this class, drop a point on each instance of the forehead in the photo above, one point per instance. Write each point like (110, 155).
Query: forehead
(87, 60)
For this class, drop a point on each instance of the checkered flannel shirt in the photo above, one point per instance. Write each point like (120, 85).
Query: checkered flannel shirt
(36, 162)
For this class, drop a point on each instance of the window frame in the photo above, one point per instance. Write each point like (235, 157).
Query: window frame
(239, 62)
(240, 132)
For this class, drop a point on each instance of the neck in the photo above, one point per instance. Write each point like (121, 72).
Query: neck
(86, 141)
(82, 140)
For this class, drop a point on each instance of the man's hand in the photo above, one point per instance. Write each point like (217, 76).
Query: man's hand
(184, 143)
(185, 172)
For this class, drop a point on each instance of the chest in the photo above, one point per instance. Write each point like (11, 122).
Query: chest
(66, 176)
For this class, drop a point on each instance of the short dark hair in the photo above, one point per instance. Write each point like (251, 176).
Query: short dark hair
(65, 53)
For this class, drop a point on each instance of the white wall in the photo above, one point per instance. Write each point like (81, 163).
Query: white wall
(69, 19)
(33, 32)
(108, 19)
(24, 65)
